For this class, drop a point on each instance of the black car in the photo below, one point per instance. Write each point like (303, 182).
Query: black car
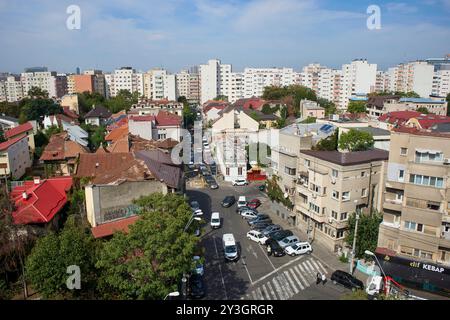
(347, 280)
(228, 201)
(259, 218)
(273, 248)
(261, 226)
(280, 235)
(196, 286)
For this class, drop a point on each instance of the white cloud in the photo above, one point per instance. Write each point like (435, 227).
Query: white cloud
(401, 7)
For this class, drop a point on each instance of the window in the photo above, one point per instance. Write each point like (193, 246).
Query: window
(344, 216)
(410, 225)
(363, 174)
(315, 188)
(364, 192)
(433, 205)
(289, 171)
(307, 163)
(401, 175)
(426, 180)
(334, 173)
(403, 151)
(335, 194)
(416, 252)
(240, 171)
(426, 255)
(334, 214)
(346, 196)
(340, 234)
(228, 171)
(424, 156)
(314, 208)
(420, 227)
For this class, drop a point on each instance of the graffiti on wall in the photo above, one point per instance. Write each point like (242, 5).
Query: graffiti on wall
(118, 213)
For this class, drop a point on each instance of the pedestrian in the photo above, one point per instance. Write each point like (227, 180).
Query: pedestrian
(269, 250)
(324, 279)
(318, 278)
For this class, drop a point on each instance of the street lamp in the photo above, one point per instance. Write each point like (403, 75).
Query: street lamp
(370, 253)
(190, 221)
(172, 294)
(354, 238)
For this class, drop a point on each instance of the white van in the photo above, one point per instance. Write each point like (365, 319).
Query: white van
(229, 247)
(215, 220)
(242, 201)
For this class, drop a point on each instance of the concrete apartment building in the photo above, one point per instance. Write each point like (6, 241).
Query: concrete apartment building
(416, 220)
(158, 84)
(15, 157)
(152, 107)
(311, 109)
(40, 78)
(256, 79)
(414, 76)
(11, 89)
(80, 83)
(331, 185)
(125, 78)
(215, 79)
(441, 83)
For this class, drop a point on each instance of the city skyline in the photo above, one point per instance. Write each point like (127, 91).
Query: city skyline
(177, 34)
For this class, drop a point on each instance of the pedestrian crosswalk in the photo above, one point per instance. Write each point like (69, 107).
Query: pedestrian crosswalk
(289, 282)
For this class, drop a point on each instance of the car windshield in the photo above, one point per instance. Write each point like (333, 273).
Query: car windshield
(215, 220)
(230, 249)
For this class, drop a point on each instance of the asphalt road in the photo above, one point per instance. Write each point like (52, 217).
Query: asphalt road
(255, 276)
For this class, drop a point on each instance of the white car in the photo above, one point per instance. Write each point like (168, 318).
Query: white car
(248, 214)
(257, 236)
(242, 201)
(298, 249)
(240, 182)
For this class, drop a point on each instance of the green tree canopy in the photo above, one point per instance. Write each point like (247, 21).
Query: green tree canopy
(149, 261)
(328, 144)
(275, 193)
(356, 140)
(47, 264)
(330, 107)
(189, 116)
(356, 106)
(367, 236)
(221, 98)
(36, 92)
(122, 101)
(38, 108)
(87, 100)
(10, 109)
(423, 110)
(97, 135)
(309, 120)
(297, 93)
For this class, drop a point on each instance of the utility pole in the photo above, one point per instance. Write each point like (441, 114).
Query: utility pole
(354, 241)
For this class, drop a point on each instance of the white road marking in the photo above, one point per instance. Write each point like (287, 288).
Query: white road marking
(278, 289)
(267, 257)
(274, 296)
(324, 270)
(317, 266)
(301, 266)
(291, 282)
(246, 269)
(276, 269)
(300, 273)
(259, 293)
(312, 267)
(265, 292)
(285, 286)
(299, 283)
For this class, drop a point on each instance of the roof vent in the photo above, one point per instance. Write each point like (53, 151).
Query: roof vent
(97, 165)
(37, 180)
(24, 195)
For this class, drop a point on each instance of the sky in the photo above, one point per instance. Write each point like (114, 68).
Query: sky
(177, 34)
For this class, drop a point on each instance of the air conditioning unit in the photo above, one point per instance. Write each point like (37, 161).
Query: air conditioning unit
(330, 220)
(447, 161)
(333, 180)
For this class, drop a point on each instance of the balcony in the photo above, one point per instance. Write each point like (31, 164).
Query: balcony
(394, 225)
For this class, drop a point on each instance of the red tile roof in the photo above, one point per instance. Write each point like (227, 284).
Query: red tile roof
(61, 148)
(421, 132)
(69, 113)
(143, 118)
(44, 200)
(165, 118)
(5, 145)
(18, 130)
(429, 120)
(110, 228)
(399, 117)
(117, 133)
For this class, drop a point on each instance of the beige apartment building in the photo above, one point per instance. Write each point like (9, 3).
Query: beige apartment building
(331, 185)
(416, 220)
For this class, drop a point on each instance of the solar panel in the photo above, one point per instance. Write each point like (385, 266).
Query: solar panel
(327, 128)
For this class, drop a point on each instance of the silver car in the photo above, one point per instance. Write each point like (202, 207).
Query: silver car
(288, 241)
(248, 214)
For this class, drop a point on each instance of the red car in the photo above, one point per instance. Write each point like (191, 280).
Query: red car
(253, 204)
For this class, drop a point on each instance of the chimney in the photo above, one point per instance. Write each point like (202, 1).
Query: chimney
(37, 180)
(24, 195)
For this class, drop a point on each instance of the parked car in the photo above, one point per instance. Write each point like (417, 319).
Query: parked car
(242, 202)
(271, 229)
(259, 218)
(245, 208)
(288, 241)
(230, 248)
(256, 236)
(212, 183)
(261, 226)
(228, 201)
(215, 220)
(262, 187)
(255, 203)
(298, 249)
(248, 214)
(275, 248)
(280, 235)
(196, 286)
(195, 205)
(347, 280)
(198, 265)
(240, 182)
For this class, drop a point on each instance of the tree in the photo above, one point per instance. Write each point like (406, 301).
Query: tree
(189, 116)
(96, 135)
(309, 120)
(2, 135)
(36, 92)
(448, 105)
(122, 101)
(221, 97)
(149, 261)
(355, 140)
(10, 109)
(367, 236)
(37, 108)
(87, 100)
(328, 144)
(48, 262)
(356, 107)
(275, 193)
(266, 109)
(423, 110)
(330, 107)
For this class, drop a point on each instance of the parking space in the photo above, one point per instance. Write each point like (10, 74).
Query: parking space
(255, 272)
